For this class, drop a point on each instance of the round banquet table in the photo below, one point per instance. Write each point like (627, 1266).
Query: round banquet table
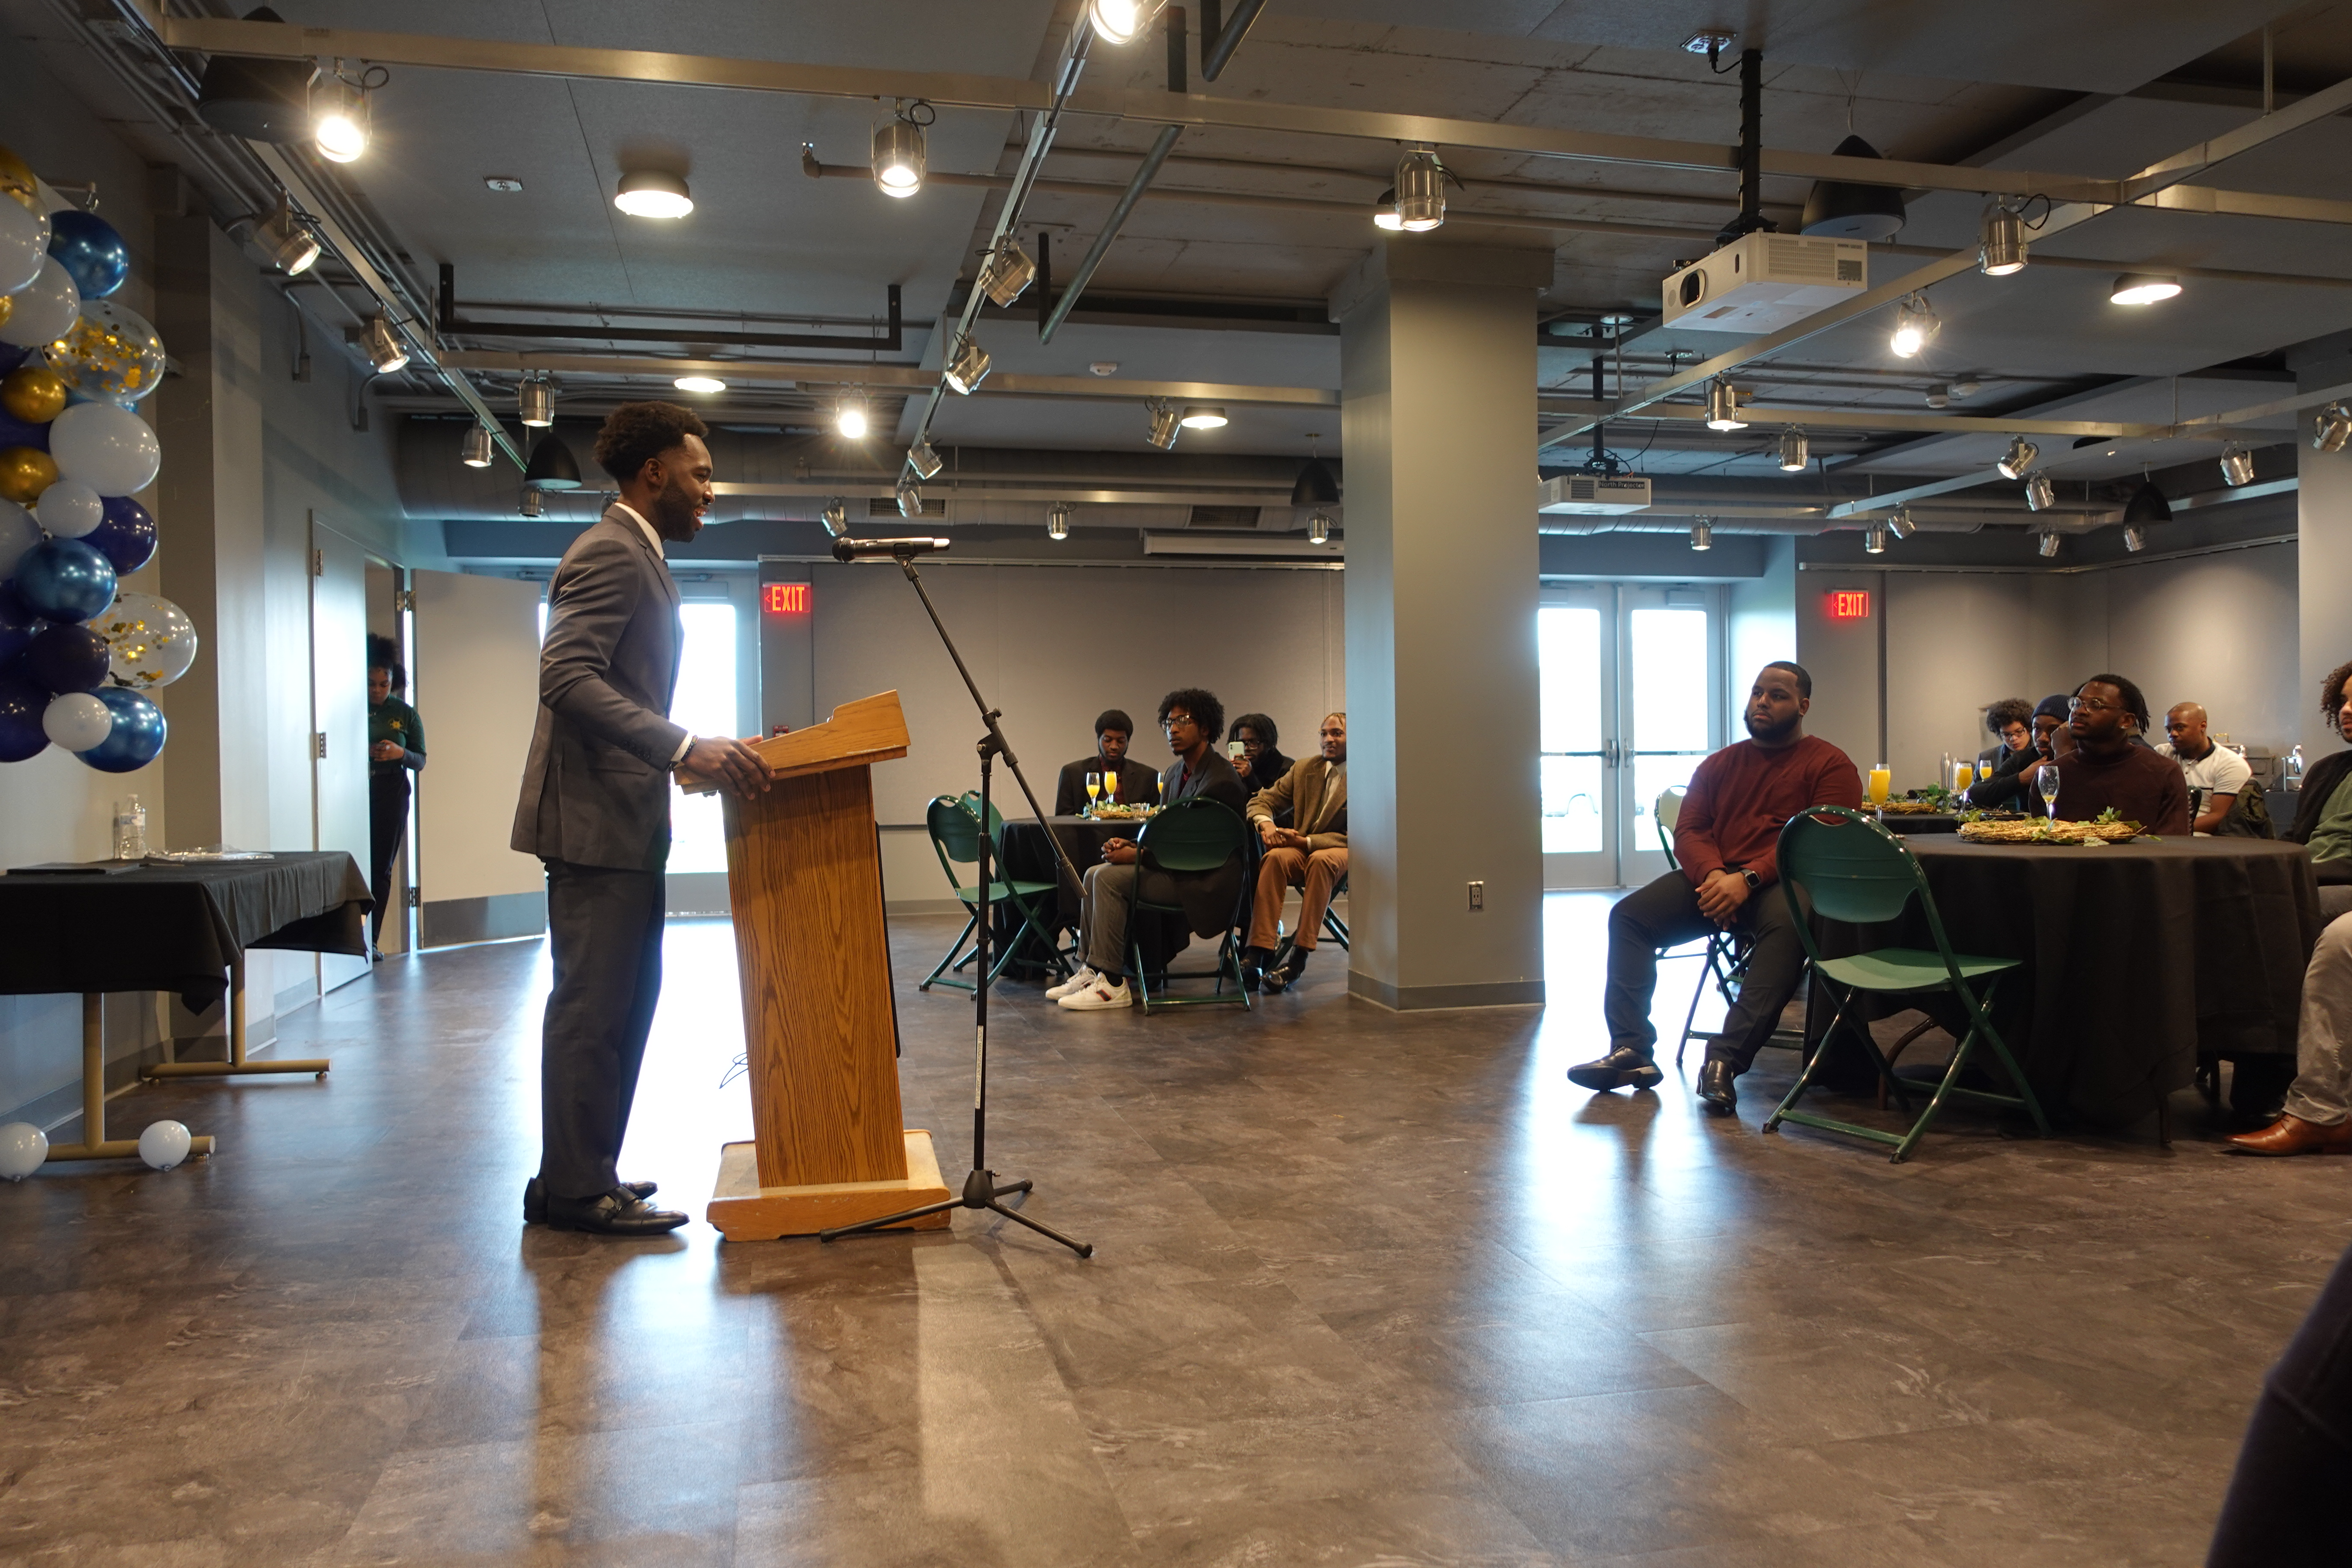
(2135, 956)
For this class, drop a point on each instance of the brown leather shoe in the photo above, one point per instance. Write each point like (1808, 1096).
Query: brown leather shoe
(2293, 1135)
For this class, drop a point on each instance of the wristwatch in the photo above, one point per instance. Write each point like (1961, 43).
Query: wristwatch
(1751, 878)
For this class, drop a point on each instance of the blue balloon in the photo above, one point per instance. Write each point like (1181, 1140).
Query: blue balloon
(88, 248)
(11, 356)
(137, 736)
(68, 658)
(14, 432)
(21, 703)
(18, 625)
(127, 537)
(64, 580)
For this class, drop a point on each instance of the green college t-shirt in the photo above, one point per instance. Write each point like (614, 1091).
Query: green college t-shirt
(392, 719)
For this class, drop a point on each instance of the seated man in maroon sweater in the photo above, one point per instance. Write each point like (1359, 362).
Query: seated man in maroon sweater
(1724, 836)
(2109, 767)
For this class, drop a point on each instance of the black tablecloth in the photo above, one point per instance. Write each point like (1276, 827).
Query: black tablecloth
(2135, 956)
(1029, 857)
(175, 928)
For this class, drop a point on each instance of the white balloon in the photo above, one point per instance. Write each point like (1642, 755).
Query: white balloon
(111, 449)
(70, 509)
(77, 721)
(23, 1146)
(24, 246)
(19, 531)
(44, 308)
(164, 1144)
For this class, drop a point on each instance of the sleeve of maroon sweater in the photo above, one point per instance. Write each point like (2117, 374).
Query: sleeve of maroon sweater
(1832, 781)
(1695, 844)
(2172, 818)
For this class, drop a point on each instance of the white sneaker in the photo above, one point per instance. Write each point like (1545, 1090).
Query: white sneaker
(1099, 993)
(1084, 977)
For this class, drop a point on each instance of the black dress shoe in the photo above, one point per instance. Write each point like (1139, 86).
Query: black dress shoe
(1623, 1068)
(618, 1213)
(1256, 962)
(1280, 980)
(534, 1197)
(1715, 1086)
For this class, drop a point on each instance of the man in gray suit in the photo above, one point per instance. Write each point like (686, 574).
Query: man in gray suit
(595, 810)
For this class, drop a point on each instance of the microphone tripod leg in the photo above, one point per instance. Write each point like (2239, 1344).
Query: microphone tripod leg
(1083, 1248)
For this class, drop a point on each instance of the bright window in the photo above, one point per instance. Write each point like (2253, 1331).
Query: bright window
(706, 705)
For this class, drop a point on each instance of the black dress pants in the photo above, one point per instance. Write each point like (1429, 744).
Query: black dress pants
(604, 934)
(2298, 1448)
(387, 826)
(1666, 912)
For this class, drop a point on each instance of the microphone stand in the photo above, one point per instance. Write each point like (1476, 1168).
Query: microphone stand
(980, 1188)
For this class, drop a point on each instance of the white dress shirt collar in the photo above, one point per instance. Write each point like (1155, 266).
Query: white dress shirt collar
(650, 533)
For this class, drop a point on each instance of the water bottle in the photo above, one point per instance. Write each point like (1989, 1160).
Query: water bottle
(2294, 769)
(130, 830)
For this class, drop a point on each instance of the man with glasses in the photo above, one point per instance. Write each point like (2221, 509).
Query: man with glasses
(1190, 719)
(2109, 770)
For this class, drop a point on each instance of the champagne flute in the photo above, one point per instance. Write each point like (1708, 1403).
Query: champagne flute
(1110, 789)
(1094, 788)
(2049, 782)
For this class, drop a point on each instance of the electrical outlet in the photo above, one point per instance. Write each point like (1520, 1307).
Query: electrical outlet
(1478, 897)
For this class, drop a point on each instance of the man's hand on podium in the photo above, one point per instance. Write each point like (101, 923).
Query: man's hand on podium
(721, 758)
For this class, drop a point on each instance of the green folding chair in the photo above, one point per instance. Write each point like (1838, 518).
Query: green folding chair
(1046, 926)
(1726, 952)
(1853, 869)
(954, 829)
(1191, 836)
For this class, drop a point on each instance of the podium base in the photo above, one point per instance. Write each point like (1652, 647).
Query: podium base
(743, 1210)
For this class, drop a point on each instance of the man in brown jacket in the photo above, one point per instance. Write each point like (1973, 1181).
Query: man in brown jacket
(1312, 855)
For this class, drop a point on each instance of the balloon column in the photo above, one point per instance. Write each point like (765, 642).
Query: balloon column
(77, 656)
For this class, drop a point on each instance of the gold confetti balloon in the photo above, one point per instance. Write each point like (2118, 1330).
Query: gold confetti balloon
(33, 394)
(150, 641)
(109, 354)
(17, 180)
(7, 307)
(25, 473)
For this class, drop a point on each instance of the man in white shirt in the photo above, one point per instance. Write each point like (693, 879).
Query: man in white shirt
(2208, 765)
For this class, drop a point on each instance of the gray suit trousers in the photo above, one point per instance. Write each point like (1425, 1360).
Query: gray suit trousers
(604, 934)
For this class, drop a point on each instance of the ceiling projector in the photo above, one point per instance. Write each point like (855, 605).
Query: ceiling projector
(1762, 282)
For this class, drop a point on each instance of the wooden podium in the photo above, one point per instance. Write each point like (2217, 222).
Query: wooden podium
(820, 1023)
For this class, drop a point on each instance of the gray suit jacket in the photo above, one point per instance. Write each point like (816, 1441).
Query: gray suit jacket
(595, 791)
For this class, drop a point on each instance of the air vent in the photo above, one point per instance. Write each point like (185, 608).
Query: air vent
(877, 506)
(1223, 517)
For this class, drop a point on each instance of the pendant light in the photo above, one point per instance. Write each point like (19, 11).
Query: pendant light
(2134, 539)
(900, 156)
(339, 118)
(2047, 546)
(1419, 190)
(850, 420)
(1873, 539)
(2148, 505)
(1318, 528)
(2041, 495)
(1795, 452)
(552, 466)
(1702, 534)
(533, 502)
(2000, 243)
(476, 453)
(258, 99)
(1839, 209)
(1058, 521)
(536, 397)
(1723, 407)
(1315, 485)
(1915, 326)
(2018, 458)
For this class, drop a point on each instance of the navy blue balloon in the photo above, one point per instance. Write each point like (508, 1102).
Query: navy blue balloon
(64, 580)
(14, 432)
(137, 736)
(68, 658)
(88, 246)
(18, 625)
(11, 356)
(127, 537)
(21, 704)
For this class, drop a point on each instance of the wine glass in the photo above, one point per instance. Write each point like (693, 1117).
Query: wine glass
(1110, 789)
(1094, 788)
(2049, 782)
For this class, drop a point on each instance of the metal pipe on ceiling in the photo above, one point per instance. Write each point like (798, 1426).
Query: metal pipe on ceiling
(450, 324)
(1135, 191)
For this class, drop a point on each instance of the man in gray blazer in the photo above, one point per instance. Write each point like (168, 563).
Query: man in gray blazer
(595, 810)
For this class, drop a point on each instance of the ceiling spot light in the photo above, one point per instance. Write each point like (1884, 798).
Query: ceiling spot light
(1122, 21)
(1723, 407)
(384, 349)
(537, 397)
(2018, 458)
(900, 156)
(1940, 396)
(1058, 521)
(1103, 367)
(1007, 271)
(1962, 391)
(923, 459)
(552, 467)
(1702, 535)
(1318, 528)
(1838, 209)
(2143, 288)
(1873, 539)
(1203, 416)
(2041, 495)
(339, 118)
(1384, 212)
(835, 518)
(1419, 190)
(2000, 243)
(1901, 525)
(967, 367)
(1795, 451)
(702, 383)
(850, 421)
(2237, 465)
(533, 503)
(910, 498)
(287, 241)
(653, 192)
(2330, 427)
(505, 185)
(1915, 326)
(2134, 539)
(1164, 428)
(2046, 546)
(476, 453)
(2148, 505)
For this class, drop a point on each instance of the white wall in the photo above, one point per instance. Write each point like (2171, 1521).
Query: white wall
(1955, 645)
(2221, 630)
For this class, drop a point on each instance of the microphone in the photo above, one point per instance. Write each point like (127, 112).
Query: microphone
(884, 549)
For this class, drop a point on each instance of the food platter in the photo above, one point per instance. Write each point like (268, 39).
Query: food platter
(2033, 830)
(1112, 812)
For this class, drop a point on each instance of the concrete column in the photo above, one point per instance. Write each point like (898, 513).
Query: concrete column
(2323, 550)
(1437, 357)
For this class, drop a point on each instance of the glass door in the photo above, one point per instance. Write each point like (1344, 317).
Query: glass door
(1576, 642)
(1668, 709)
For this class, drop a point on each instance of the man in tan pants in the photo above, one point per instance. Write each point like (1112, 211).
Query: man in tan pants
(1312, 854)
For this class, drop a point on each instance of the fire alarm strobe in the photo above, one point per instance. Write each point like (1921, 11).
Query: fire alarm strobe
(1760, 282)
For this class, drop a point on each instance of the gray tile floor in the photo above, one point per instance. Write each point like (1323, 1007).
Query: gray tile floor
(1368, 1290)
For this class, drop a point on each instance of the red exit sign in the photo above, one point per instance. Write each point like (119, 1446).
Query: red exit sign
(1849, 604)
(784, 598)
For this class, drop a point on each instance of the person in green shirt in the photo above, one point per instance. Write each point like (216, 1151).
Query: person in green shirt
(2323, 815)
(396, 750)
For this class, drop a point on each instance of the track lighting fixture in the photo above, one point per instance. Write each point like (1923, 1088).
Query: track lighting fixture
(2000, 243)
(1006, 273)
(537, 397)
(1873, 539)
(2143, 288)
(705, 384)
(2237, 465)
(923, 459)
(1915, 326)
(552, 466)
(289, 244)
(2331, 427)
(1318, 527)
(533, 502)
(1058, 521)
(900, 156)
(339, 117)
(1203, 416)
(1702, 534)
(910, 498)
(1723, 407)
(1384, 212)
(2134, 539)
(850, 421)
(1122, 21)
(835, 518)
(2041, 495)
(384, 349)
(2018, 458)
(653, 192)
(1900, 524)
(1795, 452)
(1164, 428)
(476, 454)
(967, 367)
(2047, 544)
(1419, 190)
